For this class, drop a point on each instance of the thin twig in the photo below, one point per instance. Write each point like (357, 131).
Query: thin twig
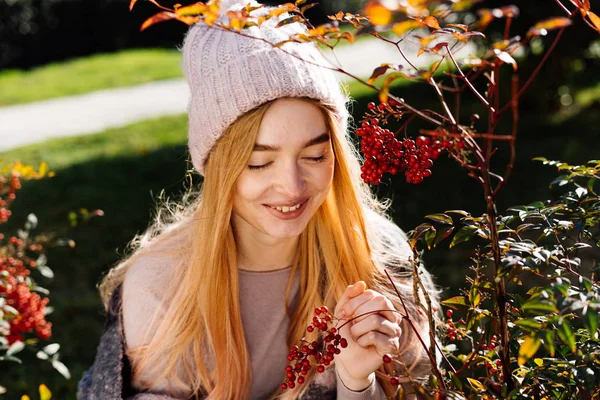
(534, 74)
(467, 81)
(416, 331)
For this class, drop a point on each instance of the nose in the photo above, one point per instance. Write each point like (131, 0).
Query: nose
(291, 180)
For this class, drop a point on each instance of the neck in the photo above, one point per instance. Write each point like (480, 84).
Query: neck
(257, 253)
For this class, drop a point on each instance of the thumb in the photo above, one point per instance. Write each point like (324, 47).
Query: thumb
(351, 291)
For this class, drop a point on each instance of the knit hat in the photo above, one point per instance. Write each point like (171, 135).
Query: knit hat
(229, 74)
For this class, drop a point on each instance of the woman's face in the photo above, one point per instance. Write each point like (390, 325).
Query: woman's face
(289, 173)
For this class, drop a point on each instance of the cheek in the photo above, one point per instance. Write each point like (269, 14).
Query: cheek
(324, 176)
(248, 188)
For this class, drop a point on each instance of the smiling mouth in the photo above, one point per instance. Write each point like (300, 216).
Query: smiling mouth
(287, 209)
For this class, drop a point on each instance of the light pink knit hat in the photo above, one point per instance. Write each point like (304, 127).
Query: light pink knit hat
(229, 74)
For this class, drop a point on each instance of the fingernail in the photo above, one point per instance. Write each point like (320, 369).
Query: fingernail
(342, 314)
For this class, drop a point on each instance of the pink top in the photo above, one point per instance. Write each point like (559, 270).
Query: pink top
(264, 317)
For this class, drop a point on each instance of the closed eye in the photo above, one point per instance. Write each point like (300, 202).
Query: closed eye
(317, 159)
(258, 167)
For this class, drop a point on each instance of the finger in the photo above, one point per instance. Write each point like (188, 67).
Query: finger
(351, 292)
(351, 305)
(375, 322)
(382, 343)
(377, 303)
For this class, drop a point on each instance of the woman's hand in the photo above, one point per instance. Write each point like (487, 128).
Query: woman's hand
(369, 337)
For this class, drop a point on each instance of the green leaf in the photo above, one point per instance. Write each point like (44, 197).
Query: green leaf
(418, 232)
(549, 342)
(459, 212)
(440, 218)
(475, 384)
(464, 234)
(565, 333)
(528, 323)
(591, 321)
(456, 301)
(528, 348)
(474, 296)
(539, 307)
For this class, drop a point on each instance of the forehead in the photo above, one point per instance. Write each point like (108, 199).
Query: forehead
(291, 121)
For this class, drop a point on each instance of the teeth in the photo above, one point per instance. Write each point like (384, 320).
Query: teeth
(286, 209)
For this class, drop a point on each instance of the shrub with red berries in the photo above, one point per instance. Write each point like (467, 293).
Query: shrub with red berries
(23, 305)
(385, 153)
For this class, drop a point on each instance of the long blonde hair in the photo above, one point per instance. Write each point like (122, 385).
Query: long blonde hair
(347, 240)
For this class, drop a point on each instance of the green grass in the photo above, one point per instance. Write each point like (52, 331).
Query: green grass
(83, 75)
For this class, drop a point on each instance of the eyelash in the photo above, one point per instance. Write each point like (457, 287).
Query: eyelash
(259, 167)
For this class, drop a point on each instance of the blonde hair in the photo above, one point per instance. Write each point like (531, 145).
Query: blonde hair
(347, 240)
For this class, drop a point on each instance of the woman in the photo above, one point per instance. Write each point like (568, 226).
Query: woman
(219, 288)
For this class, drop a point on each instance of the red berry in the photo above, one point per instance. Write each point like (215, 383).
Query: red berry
(320, 369)
(449, 313)
(387, 358)
(371, 105)
(394, 381)
(284, 386)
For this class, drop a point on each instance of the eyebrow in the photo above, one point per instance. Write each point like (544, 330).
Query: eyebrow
(322, 138)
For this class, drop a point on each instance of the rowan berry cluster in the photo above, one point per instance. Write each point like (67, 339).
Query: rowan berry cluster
(383, 152)
(452, 330)
(29, 306)
(15, 284)
(316, 354)
(8, 187)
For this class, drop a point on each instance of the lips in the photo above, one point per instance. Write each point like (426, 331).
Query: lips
(293, 214)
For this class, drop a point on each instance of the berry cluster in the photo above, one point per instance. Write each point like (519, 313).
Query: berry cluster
(8, 187)
(393, 380)
(313, 354)
(451, 330)
(383, 152)
(30, 306)
(495, 368)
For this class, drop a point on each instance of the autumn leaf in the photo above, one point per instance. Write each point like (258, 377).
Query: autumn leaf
(460, 26)
(528, 348)
(542, 27)
(131, 4)
(381, 70)
(430, 21)
(595, 20)
(193, 9)
(159, 17)
(378, 13)
(401, 28)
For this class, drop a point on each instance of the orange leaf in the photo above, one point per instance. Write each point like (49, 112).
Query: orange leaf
(131, 4)
(430, 22)
(426, 40)
(193, 9)
(486, 18)
(378, 13)
(460, 26)
(595, 20)
(542, 27)
(159, 17)
(401, 28)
